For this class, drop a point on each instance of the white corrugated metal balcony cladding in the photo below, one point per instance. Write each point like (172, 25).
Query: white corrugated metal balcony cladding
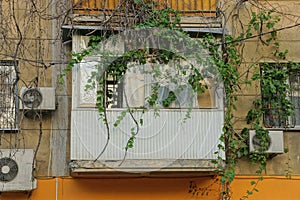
(163, 137)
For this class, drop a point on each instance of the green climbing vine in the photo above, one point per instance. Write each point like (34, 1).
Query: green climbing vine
(227, 65)
(165, 18)
(273, 79)
(272, 109)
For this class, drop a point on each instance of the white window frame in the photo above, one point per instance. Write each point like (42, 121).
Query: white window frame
(86, 99)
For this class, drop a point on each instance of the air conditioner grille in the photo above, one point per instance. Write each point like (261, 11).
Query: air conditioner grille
(32, 98)
(274, 142)
(39, 98)
(257, 143)
(8, 169)
(16, 168)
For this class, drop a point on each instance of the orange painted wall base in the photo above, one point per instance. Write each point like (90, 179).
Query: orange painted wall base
(270, 188)
(273, 188)
(119, 189)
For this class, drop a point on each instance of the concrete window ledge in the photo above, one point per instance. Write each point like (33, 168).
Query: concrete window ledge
(142, 168)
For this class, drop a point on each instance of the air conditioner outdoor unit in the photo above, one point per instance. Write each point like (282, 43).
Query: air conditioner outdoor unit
(275, 145)
(16, 168)
(39, 98)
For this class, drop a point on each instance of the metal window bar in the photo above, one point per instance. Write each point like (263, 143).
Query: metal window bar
(185, 7)
(114, 92)
(272, 106)
(8, 96)
(295, 98)
(272, 115)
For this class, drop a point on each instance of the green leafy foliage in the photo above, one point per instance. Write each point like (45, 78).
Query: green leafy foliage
(275, 89)
(261, 21)
(161, 18)
(227, 59)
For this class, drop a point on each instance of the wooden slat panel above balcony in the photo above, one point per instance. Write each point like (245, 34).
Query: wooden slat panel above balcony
(95, 13)
(204, 8)
(194, 13)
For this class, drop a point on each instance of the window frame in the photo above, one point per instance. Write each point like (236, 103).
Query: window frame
(13, 95)
(117, 102)
(85, 99)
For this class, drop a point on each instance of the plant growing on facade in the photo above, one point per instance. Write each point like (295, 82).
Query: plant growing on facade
(227, 58)
(25, 36)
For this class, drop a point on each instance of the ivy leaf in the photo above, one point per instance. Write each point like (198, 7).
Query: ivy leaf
(270, 25)
(253, 182)
(141, 122)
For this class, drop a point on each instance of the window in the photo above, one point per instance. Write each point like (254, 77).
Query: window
(8, 96)
(139, 82)
(171, 83)
(295, 97)
(280, 89)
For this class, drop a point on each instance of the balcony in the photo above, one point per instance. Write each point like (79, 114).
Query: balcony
(194, 13)
(165, 145)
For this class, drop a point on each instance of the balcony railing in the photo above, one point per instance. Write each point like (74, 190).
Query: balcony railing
(205, 8)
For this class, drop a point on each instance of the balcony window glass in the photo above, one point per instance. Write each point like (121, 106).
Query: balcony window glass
(139, 82)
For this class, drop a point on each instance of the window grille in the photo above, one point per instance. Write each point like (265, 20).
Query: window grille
(8, 96)
(295, 97)
(114, 92)
(273, 108)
